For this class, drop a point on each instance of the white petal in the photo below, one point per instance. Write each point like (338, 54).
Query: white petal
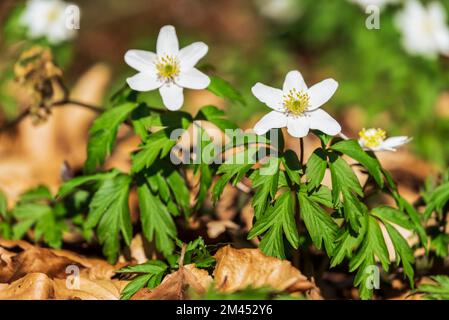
(321, 120)
(172, 96)
(294, 80)
(394, 142)
(190, 55)
(143, 82)
(272, 120)
(167, 41)
(298, 127)
(272, 97)
(141, 60)
(321, 92)
(193, 79)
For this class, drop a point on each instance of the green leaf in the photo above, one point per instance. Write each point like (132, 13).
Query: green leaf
(278, 221)
(322, 195)
(392, 215)
(157, 223)
(345, 185)
(292, 166)
(265, 187)
(316, 167)
(346, 242)
(151, 266)
(343, 178)
(181, 193)
(355, 151)
(403, 251)
(438, 199)
(319, 223)
(215, 116)
(46, 224)
(40, 193)
(103, 133)
(353, 210)
(436, 291)
(373, 246)
(224, 89)
(229, 171)
(153, 271)
(157, 145)
(71, 185)
(109, 212)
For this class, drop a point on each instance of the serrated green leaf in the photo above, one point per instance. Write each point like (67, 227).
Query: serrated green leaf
(292, 166)
(319, 223)
(157, 145)
(343, 178)
(103, 133)
(157, 223)
(229, 171)
(224, 89)
(216, 117)
(70, 186)
(355, 151)
(109, 212)
(322, 195)
(278, 221)
(316, 167)
(403, 252)
(373, 246)
(439, 290)
(265, 187)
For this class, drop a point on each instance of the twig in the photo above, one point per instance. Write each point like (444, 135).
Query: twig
(301, 150)
(181, 257)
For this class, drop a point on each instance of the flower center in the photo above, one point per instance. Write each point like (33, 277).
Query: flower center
(372, 138)
(295, 102)
(167, 67)
(53, 15)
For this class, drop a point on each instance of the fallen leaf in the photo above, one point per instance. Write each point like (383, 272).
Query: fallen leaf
(176, 285)
(88, 289)
(237, 269)
(33, 286)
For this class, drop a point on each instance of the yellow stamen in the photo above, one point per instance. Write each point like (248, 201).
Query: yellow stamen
(168, 67)
(53, 15)
(372, 138)
(296, 103)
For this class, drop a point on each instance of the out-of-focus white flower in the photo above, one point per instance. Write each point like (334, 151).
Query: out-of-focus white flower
(281, 11)
(296, 106)
(376, 140)
(424, 30)
(47, 18)
(169, 69)
(379, 3)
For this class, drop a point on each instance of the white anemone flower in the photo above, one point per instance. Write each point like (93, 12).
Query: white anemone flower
(424, 30)
(296, 106)
(378, 3)
(376, 140)
(47, 18)
(169, 69)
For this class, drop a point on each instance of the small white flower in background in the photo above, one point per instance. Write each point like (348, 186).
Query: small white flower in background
(281, 11)
(169, 69)
(296, 106)
(379, 3)
(376, 140)
(47, 18)
(424, 30)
